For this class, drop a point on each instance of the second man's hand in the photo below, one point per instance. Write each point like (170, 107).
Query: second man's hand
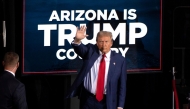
(80, 34)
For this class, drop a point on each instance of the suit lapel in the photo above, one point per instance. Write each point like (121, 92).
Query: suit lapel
(111, 66)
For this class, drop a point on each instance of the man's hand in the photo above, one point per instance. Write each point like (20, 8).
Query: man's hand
(119, 108)
(80, 34)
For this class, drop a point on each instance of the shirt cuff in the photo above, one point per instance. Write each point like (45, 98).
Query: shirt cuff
(76, 44)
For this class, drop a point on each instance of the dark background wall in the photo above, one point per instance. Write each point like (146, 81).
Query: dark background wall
(148, 90)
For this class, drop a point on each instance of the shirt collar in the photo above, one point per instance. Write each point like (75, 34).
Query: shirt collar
(10, 72)
(107, 54)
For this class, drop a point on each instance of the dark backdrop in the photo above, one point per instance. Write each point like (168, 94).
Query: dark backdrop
(144, 90)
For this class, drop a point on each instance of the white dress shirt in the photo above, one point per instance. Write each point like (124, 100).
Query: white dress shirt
(90, 81)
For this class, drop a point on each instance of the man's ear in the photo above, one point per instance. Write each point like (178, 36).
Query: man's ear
(18, 64)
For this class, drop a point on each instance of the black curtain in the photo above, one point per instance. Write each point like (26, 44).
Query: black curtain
(2, 18)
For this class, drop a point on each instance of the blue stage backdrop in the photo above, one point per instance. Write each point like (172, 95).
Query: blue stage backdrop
(49, 27)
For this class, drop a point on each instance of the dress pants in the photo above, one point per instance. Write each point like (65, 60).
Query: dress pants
(89, 101)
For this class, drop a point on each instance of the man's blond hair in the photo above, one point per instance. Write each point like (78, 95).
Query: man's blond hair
(10, 59)
(103, 33)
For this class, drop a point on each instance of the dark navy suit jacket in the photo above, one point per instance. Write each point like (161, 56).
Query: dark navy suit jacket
(12, 92)
(116, 82)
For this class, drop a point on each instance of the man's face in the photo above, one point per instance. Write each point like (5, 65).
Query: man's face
(104, 43)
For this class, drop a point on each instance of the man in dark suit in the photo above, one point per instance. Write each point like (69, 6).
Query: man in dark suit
(12, 91)
(87, 84)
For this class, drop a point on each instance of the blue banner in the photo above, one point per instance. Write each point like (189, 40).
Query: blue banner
(49, 27)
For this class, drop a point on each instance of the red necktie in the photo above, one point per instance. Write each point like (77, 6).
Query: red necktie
(100, 82)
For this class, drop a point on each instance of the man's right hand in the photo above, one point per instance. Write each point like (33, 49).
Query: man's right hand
(80, 34)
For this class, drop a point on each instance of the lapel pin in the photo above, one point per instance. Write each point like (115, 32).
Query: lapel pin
(114, 63)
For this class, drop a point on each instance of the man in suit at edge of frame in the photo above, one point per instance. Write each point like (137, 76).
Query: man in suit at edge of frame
(12, 91)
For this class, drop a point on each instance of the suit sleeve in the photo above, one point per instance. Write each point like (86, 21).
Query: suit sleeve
(19, 97)
(122, 86)
(80, 49)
